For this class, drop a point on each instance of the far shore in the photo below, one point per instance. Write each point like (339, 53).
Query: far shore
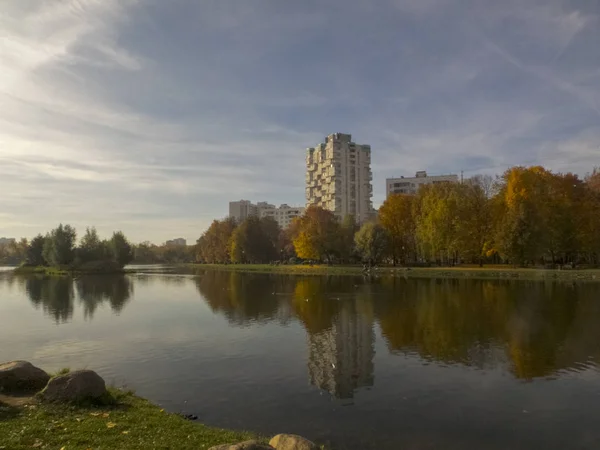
(471, 272)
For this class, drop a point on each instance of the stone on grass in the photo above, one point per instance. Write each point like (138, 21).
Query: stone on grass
(78, 386)
(291, 442)
(21, 376)
(247, 445)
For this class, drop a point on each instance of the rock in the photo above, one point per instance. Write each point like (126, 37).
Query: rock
(21, 376)
(75, 387)
(291, 442)
(247, 445)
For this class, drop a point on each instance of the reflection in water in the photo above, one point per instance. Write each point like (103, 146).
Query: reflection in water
(56, 294)
(95, 290)
(531, 329)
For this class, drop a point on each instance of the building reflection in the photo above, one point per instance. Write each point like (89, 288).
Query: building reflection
(339, 323)
(340, 359)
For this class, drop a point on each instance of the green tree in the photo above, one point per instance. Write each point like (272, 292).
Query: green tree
(348, 229)
(254, 241)
(91, 248)
(120, 249)
(35, 251)
(371, 242)
(59, 246)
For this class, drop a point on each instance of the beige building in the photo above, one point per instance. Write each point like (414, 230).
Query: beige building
(242, 209)
(178, 242)
(411, 185)
(338, 177)
(283, 214)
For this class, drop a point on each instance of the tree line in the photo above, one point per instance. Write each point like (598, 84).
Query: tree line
(527, 216)
(59, 248)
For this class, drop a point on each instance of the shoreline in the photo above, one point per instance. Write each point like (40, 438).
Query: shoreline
(465, 272)
(132, 422)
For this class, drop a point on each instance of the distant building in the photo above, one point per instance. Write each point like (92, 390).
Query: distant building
(411, 185)
(283, 214)
(242, 209)
(338, 177)
(179, 242)
(6, 241)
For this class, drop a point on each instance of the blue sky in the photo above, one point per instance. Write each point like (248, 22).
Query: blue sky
(149, 116)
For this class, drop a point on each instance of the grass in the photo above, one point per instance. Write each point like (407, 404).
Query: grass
(474, 272)
(126, 422)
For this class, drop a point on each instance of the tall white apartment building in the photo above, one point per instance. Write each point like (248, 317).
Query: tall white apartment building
(411, 185)
(283, 214)
(338, 177)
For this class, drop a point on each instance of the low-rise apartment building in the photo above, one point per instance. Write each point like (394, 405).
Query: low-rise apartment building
(411, 185)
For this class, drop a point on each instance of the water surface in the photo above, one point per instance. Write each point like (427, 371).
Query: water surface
(382, 363)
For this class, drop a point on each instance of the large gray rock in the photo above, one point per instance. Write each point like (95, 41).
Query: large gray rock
(291, 442)
(21, 376)
(247, 445)
(75, 386)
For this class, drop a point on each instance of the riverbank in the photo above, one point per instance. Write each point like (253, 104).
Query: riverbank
(470, 272)
(130, 422)
(94, 268)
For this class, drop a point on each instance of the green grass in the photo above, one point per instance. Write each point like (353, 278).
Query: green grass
(128, 423)
(474, 272)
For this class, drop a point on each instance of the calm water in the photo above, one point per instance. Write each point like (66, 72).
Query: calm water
(385, 363)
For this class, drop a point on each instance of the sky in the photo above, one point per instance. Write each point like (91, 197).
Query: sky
(149, 116)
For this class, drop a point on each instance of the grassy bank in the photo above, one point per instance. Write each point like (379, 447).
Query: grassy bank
(129, 422)
(474, 272)
(90, 269)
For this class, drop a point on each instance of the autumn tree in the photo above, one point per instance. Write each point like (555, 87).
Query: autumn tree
(371, 242)
(213, 245)
(437, 217)
(348, 229)
(317, 235)
(523, 210)
(396, 217)
(254, 241)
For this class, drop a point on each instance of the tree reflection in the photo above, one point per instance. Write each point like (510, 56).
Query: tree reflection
(242, 298)
(53, 294)
(95, 290)
(525, 326)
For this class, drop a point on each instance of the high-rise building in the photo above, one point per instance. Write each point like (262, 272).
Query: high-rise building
(411, 185)
(338, 177)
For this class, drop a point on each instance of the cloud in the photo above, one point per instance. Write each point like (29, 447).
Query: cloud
(149, 116)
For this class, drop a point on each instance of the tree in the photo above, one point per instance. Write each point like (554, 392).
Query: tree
(254, 241)
(348, 229)
(475, 225)
(524, 210)
(59, 246)
(120, 249)
(396, 216)
(91, 248)
(371, 242)
(213, 246)
(437, 218)
(35, 251)
(317, 235)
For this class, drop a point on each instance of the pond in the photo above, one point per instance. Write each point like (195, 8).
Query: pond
(386, 363)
